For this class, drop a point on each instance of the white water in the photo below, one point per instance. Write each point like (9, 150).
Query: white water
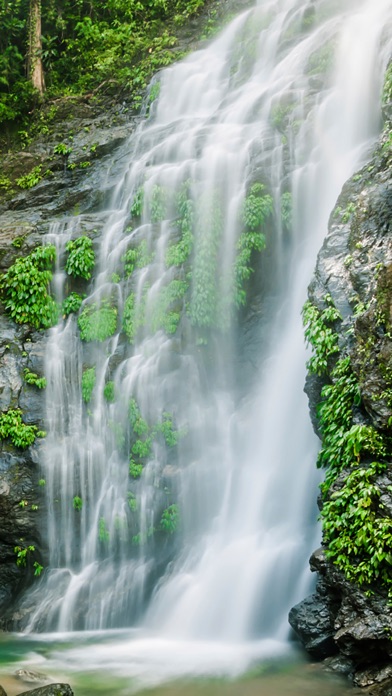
(244, 476)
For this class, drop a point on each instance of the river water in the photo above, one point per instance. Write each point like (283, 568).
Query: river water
(201, 539)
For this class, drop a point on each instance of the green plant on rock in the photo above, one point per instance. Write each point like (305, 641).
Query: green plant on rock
(77, 503)
(22, 553)
(344, 443)
(286, 209)
(204, 297)
(257, 207)
(170, 519)
(166, 313)
(38, 568)
(320, 334)
(27, 181)
(88, 384)
(13, 428)
(133, 315)
(25, 288)
(71, 304)
(81, 257)
(109, 392)
(177, 254)
(137, 257)
(357, 532)
(103, 532)
(158, 203)
(98, 322)
(144, 435)
(33, 379)
(138, 203)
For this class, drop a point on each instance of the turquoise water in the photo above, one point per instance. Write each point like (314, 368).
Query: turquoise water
(72, 660)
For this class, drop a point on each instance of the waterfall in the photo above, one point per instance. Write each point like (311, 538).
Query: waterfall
(184, 502)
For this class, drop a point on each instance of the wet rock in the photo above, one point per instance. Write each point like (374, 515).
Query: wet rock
(30, 677)
(2, 692)
(311, 619)
(50, 690)
(354, 266)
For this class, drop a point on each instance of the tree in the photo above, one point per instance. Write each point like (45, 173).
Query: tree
(35, 69)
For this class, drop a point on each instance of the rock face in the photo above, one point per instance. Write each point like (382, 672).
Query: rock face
(350, 620)
(25, 219)
(50, 690)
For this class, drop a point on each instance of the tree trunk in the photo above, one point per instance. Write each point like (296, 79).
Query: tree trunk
(34, 62)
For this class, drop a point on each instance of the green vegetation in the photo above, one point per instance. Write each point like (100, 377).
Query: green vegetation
(81, 257)
(144, 435)
(31, 179)
(83, 46)
(13, 428)
(166, 313)
(137, 257)
(204, 299)
(33, 379)
(22, 554)
(71, 304)
(357, 532)
(170, 519)
(319, 333)
(109, 392)
(177, 254)
(77, 503)
(103, 532)
(138, 203)
(88, 384)
(97, 322)
(25, 289)
(133, 315)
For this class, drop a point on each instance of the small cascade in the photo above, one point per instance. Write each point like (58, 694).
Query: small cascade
(179, 460)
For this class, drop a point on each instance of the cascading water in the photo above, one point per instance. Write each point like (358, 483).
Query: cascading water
(184, 501)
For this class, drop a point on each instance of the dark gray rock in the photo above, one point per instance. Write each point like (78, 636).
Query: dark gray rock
(312, 621)
(50, 690)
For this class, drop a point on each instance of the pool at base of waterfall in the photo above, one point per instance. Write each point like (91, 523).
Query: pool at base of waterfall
(121, 663)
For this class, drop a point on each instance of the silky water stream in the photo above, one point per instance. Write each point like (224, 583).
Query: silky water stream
(181, 507)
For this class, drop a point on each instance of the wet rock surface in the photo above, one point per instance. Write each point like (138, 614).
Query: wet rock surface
(355, 268)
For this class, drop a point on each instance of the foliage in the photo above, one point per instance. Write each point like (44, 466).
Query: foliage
(320, 335)
(77, 503)
(25, 289)
(166, 312)
(343, 442)
(13, 428)
(103, 532)
(81, 257)
(108, 392)
(88, 384)
(38, 568)
(86, 44)
(203, 306)
(170, 519)
(144, 435)
(133, 316)
(33, 379)
(22, 554)
(158, 203)
(257, 207)
(137, 257)
(72, 304)
(27, 181)
(138, 203)
(286, 209)
(177, 254)
(357, 532)
(97, 323)
(387, 87)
